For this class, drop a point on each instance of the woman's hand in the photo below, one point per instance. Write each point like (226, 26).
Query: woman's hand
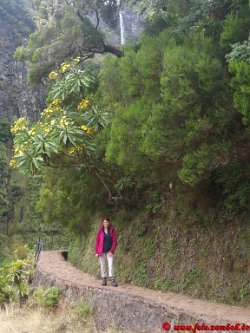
(110, 254)
(97, 255)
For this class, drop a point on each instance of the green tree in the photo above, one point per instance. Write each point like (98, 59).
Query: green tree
(70, 197)
(65, 29)
(239, 66)
(174, 118)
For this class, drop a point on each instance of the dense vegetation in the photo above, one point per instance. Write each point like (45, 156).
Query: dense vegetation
(66, 28)
(162, 126)
(172, 112)
(4, 138)
(19, 223)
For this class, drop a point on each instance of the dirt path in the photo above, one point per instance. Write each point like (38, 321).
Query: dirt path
(52, 262)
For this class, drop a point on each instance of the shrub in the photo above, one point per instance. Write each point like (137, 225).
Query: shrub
(83, 311)
(47, 298)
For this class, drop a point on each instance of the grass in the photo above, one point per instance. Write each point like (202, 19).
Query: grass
(71, 318)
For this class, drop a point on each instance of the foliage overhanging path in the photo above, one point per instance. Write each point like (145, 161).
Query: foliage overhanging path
(52, 263)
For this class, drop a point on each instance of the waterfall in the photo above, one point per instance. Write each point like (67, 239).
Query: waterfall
(122, 28)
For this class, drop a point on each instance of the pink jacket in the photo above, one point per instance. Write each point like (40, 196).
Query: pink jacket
(100, 239)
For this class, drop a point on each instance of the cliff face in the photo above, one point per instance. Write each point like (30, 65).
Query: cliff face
(16, 97)
(130, 24)
(122, 26)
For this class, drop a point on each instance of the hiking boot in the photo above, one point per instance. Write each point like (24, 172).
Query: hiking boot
(113, 283)
(104, 281)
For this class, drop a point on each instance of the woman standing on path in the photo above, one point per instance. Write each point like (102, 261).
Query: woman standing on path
(106, 241)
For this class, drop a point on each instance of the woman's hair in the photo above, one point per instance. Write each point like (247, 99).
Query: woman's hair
(106, 218)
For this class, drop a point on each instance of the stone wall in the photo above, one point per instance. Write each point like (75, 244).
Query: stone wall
(130, 307)
(110, 307)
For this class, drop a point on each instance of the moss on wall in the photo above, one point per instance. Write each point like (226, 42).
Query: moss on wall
(207, 261)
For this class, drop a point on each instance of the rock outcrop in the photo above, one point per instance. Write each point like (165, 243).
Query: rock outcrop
(17, 98)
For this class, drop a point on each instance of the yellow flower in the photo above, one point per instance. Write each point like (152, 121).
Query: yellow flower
(87, 129)
(56, 102)
(45, 113)
(32, 132)
(53, 107)
(76, 60)
(53, 75)
(13, 163)
(72, 151)
(64, 121)
(84, 104)
(57, 109)
(75, 149)
(19, 125)
(64, 67)
(19, 149)
(83, 127)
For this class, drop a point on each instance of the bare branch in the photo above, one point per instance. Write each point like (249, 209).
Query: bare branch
(108, 48)
(89, 56)
(88, 165)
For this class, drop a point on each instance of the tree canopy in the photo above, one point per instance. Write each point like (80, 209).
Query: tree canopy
(171, 114)
(66, 29)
